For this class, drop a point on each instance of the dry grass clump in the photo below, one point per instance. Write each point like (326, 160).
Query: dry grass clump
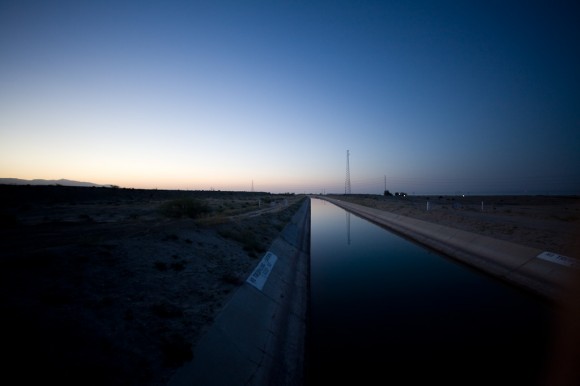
(184, 207)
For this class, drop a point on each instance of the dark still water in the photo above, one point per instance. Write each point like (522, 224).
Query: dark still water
(386, 311)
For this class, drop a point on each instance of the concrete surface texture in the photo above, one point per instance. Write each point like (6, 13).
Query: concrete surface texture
(259, 337)
(544, 273)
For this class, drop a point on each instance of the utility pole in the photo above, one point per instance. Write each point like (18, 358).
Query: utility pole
(347, 180)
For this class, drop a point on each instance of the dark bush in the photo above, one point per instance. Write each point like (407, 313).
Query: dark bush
(161, 266)
(184, 207)
(166, 310)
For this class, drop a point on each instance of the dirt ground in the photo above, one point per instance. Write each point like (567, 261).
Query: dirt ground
(103, 286)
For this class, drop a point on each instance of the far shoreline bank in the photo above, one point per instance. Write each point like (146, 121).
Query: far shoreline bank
(514, 263)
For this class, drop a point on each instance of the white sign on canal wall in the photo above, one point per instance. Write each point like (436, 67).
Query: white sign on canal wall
(262, 271)
(559, 259)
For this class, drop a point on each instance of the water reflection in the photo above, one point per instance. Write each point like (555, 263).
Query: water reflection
(384, 308)
(347, 227)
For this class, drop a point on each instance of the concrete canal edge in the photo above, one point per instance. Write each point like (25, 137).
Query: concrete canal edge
(259, 337)
(544, 273)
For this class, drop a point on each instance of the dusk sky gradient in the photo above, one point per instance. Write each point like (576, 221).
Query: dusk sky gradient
(438, 97)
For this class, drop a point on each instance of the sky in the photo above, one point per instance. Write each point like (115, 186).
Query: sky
(427, 97)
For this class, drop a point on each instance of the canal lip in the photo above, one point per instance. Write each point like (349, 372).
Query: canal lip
(541, 272)
(259, 337)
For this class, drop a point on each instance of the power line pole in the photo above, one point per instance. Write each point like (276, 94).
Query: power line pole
(347, 180)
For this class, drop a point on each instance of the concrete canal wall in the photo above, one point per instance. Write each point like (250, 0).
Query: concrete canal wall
(542, 272)
(259, 337)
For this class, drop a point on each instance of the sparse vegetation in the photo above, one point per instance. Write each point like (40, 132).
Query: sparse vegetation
(176, 349)
(127, 273)
(234, 279)
(184, 207)
(178, 266)
(247, 238)
(160, 266)
(166, 310)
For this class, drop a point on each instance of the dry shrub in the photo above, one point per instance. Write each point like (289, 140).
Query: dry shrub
(184, 207)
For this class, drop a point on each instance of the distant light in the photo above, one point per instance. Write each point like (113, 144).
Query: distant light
(464, 195)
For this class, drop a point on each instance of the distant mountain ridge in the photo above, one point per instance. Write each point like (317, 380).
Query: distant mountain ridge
(63, 182)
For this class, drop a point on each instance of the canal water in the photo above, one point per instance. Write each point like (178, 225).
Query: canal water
(387, 311)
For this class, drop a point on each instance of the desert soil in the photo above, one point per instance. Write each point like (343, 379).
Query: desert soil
(103, 286)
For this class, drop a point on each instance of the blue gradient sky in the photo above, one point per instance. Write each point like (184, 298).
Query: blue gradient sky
(439, 97)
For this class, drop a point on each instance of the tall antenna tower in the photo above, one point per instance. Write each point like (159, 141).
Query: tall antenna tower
(347, 180)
